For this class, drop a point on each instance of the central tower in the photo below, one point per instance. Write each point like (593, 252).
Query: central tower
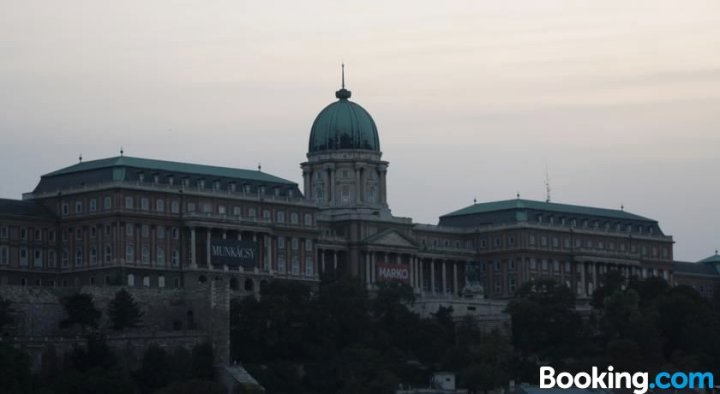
(344, 174)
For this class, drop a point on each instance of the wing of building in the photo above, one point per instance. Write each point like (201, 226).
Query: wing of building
(152, 223)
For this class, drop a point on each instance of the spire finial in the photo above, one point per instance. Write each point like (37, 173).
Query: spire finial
(259, 166)
(342, 94)
(80, 158)
(121, 151)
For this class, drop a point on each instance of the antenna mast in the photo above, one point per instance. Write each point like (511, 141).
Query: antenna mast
(547, 184)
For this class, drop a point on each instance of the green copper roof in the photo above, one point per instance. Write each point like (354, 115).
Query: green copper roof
(170, 166)
(712, 259)
(343, 125)
(520, 204)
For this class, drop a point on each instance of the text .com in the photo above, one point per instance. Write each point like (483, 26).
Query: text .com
(639, 382)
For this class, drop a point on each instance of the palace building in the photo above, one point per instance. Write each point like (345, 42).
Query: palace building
(141, 222)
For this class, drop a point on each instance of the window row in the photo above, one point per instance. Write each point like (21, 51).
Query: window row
(28, 233)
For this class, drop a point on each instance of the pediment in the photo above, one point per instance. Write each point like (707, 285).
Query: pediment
(390, 238)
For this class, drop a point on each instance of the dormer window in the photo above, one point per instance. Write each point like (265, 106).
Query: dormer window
(540, 218)
(186, 182)
(201, 183)
(141, 177)
(216, 185)
(232, 186)
(171, 180)
(156, 178)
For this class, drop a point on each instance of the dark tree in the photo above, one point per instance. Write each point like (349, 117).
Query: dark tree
(124, 311)
(6, 313)
(15, 374)
(154, 372)
(80, 310)
(203, 362)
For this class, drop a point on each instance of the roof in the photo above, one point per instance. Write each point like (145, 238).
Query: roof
(343, 125)
(695, 269)
(712, 259)
(25, 209)
(170, 166)
(522, 204)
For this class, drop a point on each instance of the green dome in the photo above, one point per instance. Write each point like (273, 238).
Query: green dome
(343, 125)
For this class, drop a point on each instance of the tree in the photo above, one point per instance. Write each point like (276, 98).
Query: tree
(80, 310)
(203, 362)
(15, 376)
(154, 372)
(6, 313)
(124, 311)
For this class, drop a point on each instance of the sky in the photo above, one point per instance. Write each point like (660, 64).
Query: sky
(619, 100)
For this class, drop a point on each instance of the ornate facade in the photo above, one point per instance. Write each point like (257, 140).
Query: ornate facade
(151, 223)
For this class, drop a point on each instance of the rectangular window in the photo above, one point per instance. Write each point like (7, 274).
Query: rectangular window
(4, 255)
(175, 207)
(93, 232)
(175, 233)
(144, 204)
(65, 209)
(295, 244)
(23, 257)
(78, 206)
(51, 259)
(23, 234)
(280, 216)
(130, 253)
(281, 242)
(175, 258)
(93, 205)
(129, 202)
(51, 235)
(129, 229)
(145, 230)
(295, 265)
(160, 232)
(191, 207)
(281, 264)
(78, 234)
(308, 245)
(38, 235)
(107, 203)
(160, 205)
(294, 218)
(309, 268)
(308, 219)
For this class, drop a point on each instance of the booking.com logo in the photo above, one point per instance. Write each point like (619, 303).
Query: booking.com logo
(639, 382)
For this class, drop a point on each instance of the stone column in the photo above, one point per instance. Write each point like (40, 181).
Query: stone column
(455, 278)
(432, 276)
(383, 187)
(367, 270)
(193, 257)
(321, 252)
(335, 263)
(268, 239)
(583, 286)
(444, 279)
(357, 184)
(331, 186)
(372, 268)
(422, 276)
(209, 234)
(594, 269)
(307, 176)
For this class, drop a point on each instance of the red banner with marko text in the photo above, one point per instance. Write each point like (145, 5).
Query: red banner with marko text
(393, 272)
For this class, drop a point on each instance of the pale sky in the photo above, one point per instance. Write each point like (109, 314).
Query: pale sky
(621, 99)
